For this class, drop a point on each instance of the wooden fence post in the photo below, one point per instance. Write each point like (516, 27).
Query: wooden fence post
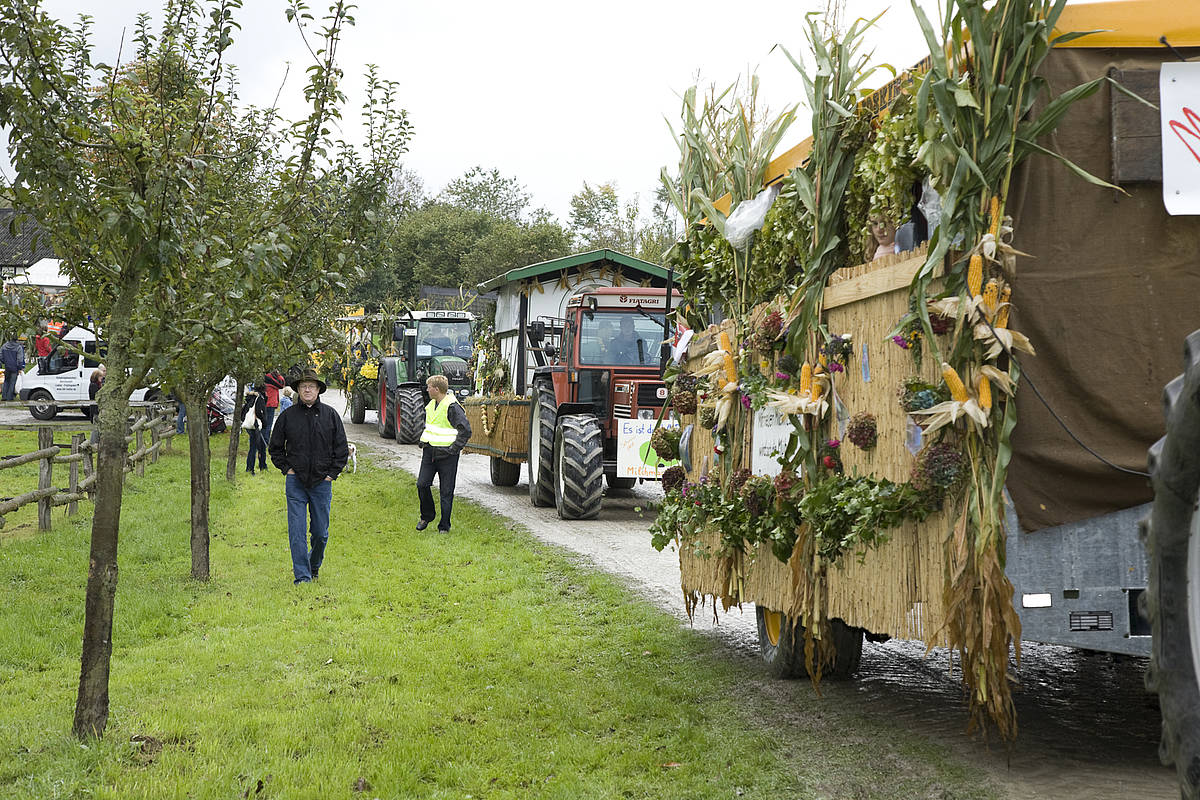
(89, 470)
(45, 476)
(157, 421)
(140, 464)
(73, 487)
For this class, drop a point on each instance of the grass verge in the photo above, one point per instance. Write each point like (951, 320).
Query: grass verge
(480, 664)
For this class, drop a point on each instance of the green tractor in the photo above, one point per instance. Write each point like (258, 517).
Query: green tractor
(424, 343)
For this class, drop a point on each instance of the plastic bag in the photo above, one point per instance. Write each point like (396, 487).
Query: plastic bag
(749, 217)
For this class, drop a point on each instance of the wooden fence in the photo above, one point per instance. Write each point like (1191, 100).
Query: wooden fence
(154, 422)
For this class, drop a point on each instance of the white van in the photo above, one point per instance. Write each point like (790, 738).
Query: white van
(64, 376)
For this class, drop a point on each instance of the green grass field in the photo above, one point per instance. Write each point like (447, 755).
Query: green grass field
(480, 664)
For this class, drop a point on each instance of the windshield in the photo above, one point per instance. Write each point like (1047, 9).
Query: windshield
(444, 338)
(620, 338)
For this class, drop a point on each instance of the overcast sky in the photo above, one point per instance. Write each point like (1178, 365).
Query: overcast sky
(555, 93)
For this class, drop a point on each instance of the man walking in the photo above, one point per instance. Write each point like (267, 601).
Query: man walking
(308, 445)
(12, 360)
(446, 433)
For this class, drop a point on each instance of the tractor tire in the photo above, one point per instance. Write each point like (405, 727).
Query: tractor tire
(543, 411)
(619, 484)
(781, 645)
(1172, 537)
(385, 424)
(505, 473)
(410, 415)
(358, 407)
(41, 405)
(578, 466)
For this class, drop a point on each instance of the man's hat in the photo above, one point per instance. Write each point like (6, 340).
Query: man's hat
(309, 374)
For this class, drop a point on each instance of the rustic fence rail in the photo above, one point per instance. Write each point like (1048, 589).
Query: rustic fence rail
(153, 421)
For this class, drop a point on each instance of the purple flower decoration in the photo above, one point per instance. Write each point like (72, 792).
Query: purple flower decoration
(835, 367)
(782, 376)
(901, 341)
(746, 401)
(833, 444)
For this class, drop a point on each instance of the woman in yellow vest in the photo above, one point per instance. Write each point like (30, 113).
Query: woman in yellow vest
(447, 431)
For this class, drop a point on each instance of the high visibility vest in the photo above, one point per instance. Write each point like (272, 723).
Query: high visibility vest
(438, 430)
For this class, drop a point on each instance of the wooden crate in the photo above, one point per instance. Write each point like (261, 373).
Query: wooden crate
(499, 426)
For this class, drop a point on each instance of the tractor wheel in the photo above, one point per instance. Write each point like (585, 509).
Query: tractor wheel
(1172, 536)
(358, 407)
(410, 415)
(619, 484)
(781, 645)
(578, 466)
(505, 473)
(542, 413)
(41, 405)
(385, 424)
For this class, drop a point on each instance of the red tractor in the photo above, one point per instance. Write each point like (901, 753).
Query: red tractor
(596, 377)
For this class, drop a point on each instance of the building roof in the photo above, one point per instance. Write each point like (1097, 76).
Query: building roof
(570, 262)
(26, 246)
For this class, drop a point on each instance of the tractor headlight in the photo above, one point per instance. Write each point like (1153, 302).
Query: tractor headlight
(463, 392)
(645, 413)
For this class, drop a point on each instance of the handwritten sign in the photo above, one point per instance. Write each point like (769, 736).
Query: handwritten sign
(1179, 101)
(635, 457)
(772, 431)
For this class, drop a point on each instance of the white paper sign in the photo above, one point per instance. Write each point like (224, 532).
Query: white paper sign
(772, 431)
(635, 457)
(1179, 104)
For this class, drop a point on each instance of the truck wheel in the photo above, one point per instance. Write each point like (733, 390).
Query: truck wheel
(542, 413)
(781, 645)
(1172, 536)
(358, 407)
(578, 466)
(410, 415)
(385, 425)
(505, 473)
(41, 405)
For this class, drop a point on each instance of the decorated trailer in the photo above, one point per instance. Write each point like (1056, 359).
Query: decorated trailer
(571, 382)
(877, 450)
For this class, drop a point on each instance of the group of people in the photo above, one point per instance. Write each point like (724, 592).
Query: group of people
(308, 444)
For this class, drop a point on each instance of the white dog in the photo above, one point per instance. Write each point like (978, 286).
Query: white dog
(353, 456)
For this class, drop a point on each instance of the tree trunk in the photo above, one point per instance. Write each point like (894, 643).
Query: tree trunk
(198, 447)
(235, 432)
(91, 704)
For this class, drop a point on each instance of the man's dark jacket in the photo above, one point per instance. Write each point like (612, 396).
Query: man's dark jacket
(310, 441)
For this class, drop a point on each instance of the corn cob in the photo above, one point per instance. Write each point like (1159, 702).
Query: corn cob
(985, 393)
(991, 296)
(958, 392)
(1002, 317)
(806, 378)
(730, 369)
(726, 345)
(816, 391)
(975, 275)
(995, 217)
(822, 360)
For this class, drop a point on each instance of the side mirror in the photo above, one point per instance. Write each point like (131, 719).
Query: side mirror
(664, 357)
(551, 351)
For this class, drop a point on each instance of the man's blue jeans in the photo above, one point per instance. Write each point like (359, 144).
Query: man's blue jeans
(8, 392)
(306, 505)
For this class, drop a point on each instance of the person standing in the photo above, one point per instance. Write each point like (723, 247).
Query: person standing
(256, 399)
(447, 431)
(308, 445)
(12, 359)
(272, 382)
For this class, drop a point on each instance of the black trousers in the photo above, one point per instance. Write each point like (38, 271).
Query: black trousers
(446, 470)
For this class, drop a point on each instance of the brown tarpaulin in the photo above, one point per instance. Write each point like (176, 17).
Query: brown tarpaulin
(1107, 299)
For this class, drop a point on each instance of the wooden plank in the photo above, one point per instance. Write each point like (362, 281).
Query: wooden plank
(1136, 133)
(876, 282)
(25, 458)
